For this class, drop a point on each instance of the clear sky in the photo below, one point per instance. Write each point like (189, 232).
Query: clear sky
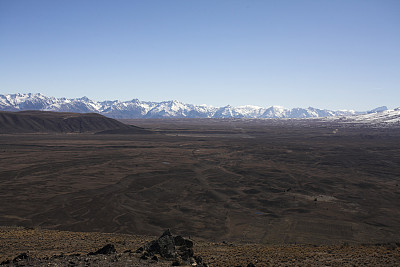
(342, 54)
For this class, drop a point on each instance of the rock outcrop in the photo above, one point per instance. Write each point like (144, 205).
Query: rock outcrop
(107, 249)
(175, 248)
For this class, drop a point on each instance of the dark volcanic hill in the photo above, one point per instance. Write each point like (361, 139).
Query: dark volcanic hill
(61, 122)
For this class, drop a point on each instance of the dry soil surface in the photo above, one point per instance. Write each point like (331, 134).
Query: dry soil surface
(257, 181)
(63, 248)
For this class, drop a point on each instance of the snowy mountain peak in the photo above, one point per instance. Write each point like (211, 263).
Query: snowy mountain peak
(84, 98)
(378, 109)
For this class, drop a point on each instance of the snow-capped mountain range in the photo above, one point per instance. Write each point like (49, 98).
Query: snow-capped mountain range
(166, 109)
(381, 118)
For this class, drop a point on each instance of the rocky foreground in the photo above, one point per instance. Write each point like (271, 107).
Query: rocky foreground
(36, 247)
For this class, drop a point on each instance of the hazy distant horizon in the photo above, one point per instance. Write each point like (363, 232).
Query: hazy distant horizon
(336, 55)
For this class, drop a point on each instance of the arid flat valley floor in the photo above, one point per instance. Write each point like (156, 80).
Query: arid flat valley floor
(254, 181)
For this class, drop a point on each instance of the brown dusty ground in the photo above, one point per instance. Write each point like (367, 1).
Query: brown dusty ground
(47, 246)
(232, 180)
(261, 186)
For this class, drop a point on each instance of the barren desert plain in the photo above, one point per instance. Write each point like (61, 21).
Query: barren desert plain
(270, 192)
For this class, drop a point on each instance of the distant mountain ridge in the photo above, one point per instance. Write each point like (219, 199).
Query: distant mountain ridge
(384, 118)
(167, 109)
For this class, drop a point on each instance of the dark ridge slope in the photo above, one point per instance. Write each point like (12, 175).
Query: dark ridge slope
(60, 122)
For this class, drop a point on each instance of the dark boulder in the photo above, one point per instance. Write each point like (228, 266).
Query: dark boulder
(165, 245)
(107, 249)
(176, 248)
(20, 257)
(188, 243)
(185, 253)
(198, 259)
(179, 240)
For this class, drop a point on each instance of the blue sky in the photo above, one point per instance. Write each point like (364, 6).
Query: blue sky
(325, 54)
